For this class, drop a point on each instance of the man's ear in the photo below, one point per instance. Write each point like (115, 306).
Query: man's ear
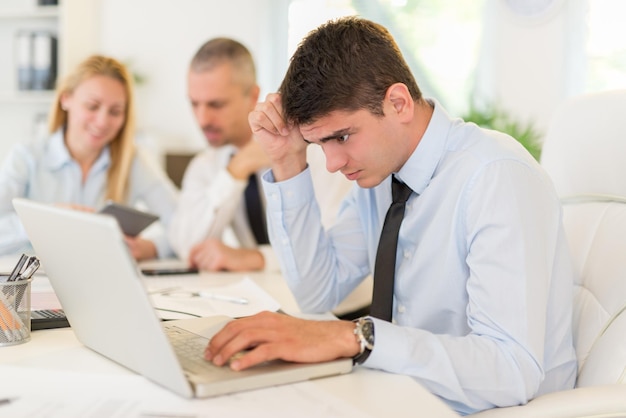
(254, 93)
(399, 97)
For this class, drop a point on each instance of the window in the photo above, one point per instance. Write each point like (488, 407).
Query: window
(606, 45)
(438, 38)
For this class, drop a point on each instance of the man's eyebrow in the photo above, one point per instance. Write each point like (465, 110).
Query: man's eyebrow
(334, 135)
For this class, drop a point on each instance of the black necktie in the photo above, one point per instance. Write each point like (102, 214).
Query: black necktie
(385, 267)
(254, 208)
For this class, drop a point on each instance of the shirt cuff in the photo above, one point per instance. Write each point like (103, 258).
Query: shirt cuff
(386, 354)
(225, 184)
(289, 194)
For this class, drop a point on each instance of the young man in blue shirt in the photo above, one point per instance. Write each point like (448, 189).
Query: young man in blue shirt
(482, 300)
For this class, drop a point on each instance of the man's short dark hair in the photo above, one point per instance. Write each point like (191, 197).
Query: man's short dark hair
(345, 64)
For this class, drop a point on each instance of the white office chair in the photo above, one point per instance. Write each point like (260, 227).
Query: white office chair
(585, 154)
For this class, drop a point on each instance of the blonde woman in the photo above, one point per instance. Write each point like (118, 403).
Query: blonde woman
(88, 158)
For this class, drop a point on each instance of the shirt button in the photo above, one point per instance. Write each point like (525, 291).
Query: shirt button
(401, 309)
(274, 196)
(407, 254)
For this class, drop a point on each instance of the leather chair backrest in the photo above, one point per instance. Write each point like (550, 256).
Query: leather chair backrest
(585, 154)
(585, 147)
(596, 233)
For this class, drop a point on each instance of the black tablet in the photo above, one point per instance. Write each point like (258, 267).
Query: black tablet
(132, 221)
(167, 271)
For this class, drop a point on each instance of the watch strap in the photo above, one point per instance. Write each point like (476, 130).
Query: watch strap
(365, 351)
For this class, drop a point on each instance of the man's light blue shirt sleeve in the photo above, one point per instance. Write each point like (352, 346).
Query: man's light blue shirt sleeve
(484, 283)
(292, 210)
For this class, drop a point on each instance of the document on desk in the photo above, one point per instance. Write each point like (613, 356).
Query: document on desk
(178, 298)
(36, 393)
(42, 294)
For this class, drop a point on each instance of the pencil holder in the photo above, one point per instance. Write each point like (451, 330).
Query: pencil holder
(14, 311)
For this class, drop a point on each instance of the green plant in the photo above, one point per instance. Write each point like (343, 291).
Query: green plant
(138, 78)
(493, 118)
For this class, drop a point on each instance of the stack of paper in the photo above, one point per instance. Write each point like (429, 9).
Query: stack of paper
(174, 299)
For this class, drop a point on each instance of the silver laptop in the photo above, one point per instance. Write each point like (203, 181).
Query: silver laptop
(102, 293)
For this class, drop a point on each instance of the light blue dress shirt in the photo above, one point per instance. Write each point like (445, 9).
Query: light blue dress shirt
(44, 171)
(484, 281)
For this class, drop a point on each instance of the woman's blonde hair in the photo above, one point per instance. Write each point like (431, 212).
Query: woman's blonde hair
(122, 148)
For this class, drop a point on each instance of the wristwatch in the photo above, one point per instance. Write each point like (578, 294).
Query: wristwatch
(364, 332)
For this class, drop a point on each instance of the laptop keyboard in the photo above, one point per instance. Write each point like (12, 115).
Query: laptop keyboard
(189, 348)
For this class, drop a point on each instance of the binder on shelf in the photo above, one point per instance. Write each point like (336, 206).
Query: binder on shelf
(44, 60)
(24, 60)
(36, 60)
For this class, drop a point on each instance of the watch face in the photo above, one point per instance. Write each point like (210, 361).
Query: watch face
(368, 332)
(364, 331)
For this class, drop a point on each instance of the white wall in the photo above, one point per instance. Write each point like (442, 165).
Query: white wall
(528, 67)
(530, 64)
(159, 37)
(526, 64)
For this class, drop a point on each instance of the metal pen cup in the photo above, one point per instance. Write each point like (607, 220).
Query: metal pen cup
(14, 311)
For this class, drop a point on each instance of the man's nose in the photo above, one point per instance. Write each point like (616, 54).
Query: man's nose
(335, 158)
(204, 115)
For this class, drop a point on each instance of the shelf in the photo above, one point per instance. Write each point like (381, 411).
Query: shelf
(75, 23)
(42, 12)
(27, 97)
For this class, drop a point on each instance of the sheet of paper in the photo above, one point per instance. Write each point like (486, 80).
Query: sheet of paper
(42, 294)
(202, 299)
(36, 393)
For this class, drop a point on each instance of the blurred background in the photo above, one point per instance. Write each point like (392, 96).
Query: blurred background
(502, 63)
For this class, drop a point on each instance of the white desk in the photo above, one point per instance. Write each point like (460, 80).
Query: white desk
(55, 372)
(272, 282)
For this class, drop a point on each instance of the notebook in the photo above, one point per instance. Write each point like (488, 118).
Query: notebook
(102, 293)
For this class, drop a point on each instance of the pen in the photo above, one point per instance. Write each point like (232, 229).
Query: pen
(11, 324)
(17, 268)
(30, 270)
(8, 335)
(225, 298)
(164, 291)
(208, 295)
